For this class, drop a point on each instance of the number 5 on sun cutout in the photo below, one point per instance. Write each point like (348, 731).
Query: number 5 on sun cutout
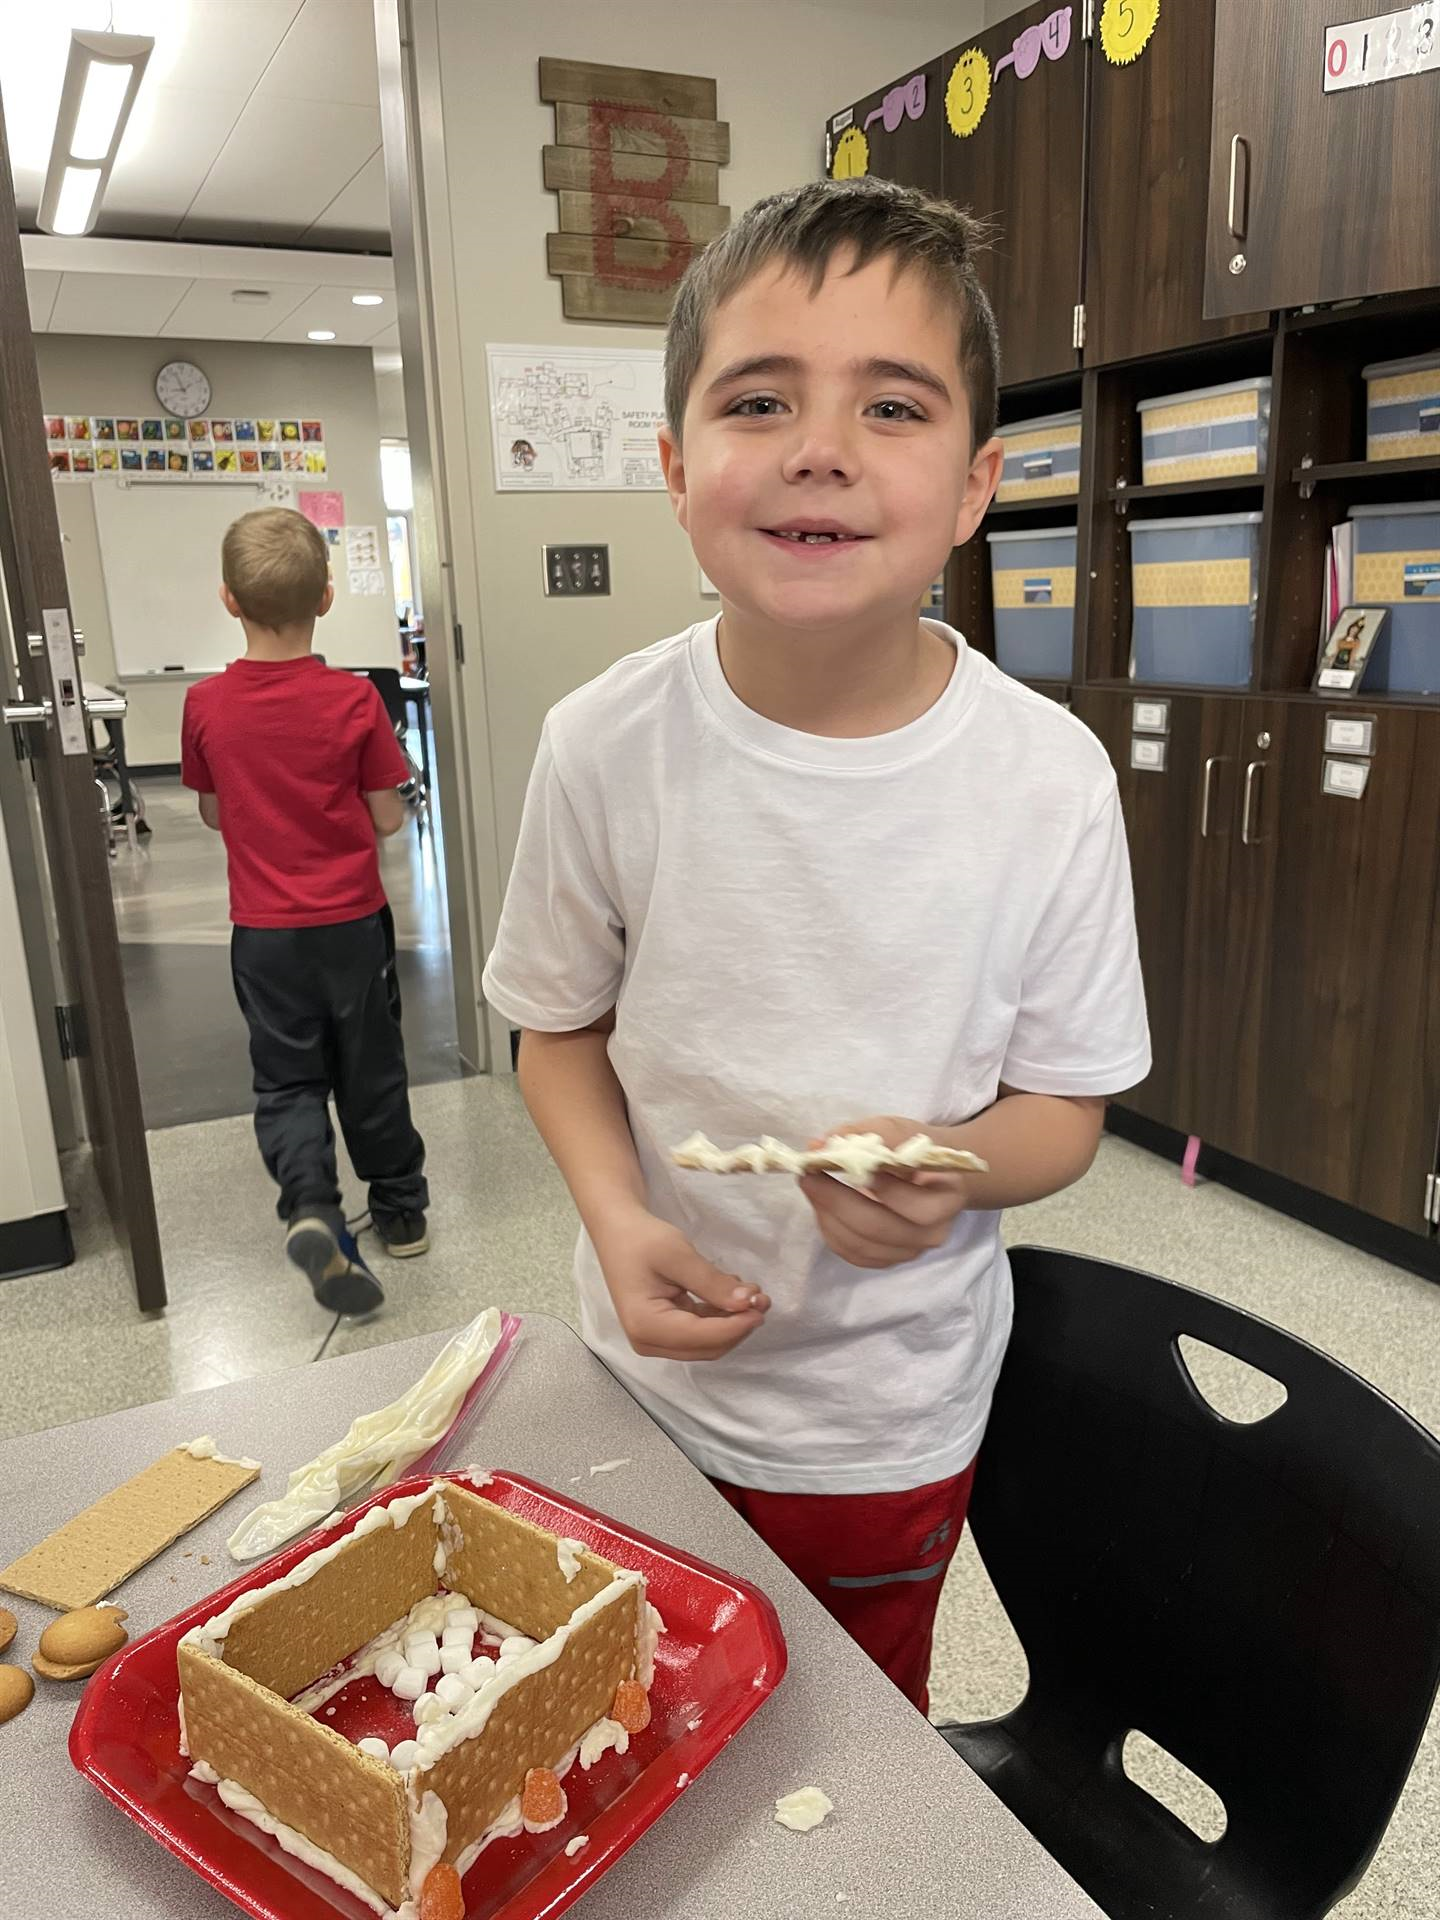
(1126, 27)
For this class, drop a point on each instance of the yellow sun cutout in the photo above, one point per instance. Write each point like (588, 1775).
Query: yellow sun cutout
(1126, 27)
(968, 94)
(852, 155)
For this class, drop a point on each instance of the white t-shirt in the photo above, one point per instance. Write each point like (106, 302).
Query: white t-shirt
(797, 932)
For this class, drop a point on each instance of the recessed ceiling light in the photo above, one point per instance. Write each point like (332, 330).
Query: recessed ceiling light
(320, 333)
(367, 299)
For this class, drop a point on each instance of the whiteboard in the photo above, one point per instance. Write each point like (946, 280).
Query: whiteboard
(160, 557)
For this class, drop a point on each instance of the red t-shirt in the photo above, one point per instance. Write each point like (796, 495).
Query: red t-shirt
(291, 748)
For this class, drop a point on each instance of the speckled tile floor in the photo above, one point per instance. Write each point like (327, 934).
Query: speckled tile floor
(502, 1231)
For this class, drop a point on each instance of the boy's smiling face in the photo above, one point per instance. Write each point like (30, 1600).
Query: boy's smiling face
(842, 414)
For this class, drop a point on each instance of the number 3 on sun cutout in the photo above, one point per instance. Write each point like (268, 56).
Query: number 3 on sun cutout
(1126, 27)
(968, 94)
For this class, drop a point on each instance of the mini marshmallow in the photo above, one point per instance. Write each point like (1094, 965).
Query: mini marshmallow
(404, 1756)
(427, 1708)
(517, 1643)
(462, 1616)
(408, 1684)
(452, 1692)
(455, 1659)
(421, 1637)
(478, 1671)
(459, 1637)
(426, 1659)
(376, 1749)
(388, 1665)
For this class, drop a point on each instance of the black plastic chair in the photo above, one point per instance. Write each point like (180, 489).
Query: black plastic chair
(1263, 1600)
(386, 682)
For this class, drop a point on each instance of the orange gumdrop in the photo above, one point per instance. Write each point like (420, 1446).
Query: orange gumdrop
(631, 1706)
(441, 1896)
(542, 1803)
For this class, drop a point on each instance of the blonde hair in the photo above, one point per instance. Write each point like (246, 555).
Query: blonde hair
(866, 219)
(277, 565)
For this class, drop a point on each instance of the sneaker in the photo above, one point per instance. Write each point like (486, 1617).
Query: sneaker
(330, 1261)
(403, 1234)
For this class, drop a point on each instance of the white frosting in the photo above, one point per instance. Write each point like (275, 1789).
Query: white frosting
(651, 1627)
(428, 1833)
(577, 1845)
(604, 1735)
(506, 1826)
(567, 1552)
(249, 1808)
(802, 1810)
(205, 1449)
(856, 1156)
(381, 1444)
(683, 1781)
(609, 1466)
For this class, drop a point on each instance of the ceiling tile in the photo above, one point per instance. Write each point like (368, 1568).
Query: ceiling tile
(283, 163)
(41, 289)
(209, 313)
(360, 208)
(164, 160)
(328, 54)
(331, 307)
(114, 302)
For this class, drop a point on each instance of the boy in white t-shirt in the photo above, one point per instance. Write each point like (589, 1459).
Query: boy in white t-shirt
(815, 866)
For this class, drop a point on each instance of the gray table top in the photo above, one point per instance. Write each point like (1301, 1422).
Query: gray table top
(915, 1832)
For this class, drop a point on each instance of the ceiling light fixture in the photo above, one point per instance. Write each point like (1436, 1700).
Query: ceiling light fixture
(367, 299)
(250, 296)
(320, 333)
(102, 77)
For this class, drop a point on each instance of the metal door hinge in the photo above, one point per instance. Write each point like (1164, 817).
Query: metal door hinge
(1087, 20)
(459, 644)
(1077, 338)
(70, 1024)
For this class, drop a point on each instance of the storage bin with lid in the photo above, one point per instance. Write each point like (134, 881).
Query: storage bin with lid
(1210, 433)
(1032, 575)
(1402, 408)
(1042, 458)
(1194, 583)
(1397, 565)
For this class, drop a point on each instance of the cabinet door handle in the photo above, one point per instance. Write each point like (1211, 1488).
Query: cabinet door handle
(1206, 788)
(1247, 838)
(1239, 202)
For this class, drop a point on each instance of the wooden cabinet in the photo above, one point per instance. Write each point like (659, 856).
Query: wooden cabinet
(893, 133)
(1021, 165)
(1318, 196)
(1147, 195)
(1290, 940)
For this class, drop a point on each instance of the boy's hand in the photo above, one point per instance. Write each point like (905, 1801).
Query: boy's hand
(898, 1216)
(652, 1272)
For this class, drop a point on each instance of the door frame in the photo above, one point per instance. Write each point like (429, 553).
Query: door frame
(74, 850)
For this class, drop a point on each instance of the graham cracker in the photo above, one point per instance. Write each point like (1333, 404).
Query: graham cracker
(510, 1567)
(92, 1554)
(304, 1773)
(537, 1722)
(294, 1636)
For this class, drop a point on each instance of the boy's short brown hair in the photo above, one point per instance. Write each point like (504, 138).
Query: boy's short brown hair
(277, 565)
(805, 228)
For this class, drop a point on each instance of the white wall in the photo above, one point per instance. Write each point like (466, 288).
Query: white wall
(782, 66)
(88, 374)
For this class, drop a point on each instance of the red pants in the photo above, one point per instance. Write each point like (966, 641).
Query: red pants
(877, 1561)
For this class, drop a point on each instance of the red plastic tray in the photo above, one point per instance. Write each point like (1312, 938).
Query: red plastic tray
(722, 1655)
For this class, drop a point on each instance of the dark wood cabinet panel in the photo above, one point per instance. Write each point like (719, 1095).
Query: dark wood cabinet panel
(1149, 185)
(1340, 196)
(1161, 825)
(893, 133)
(1349, 1087)
(1022, 167)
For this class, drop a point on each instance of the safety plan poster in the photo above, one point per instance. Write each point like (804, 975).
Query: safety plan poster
(576, 419)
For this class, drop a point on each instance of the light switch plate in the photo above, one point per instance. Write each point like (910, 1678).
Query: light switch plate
(573, 571)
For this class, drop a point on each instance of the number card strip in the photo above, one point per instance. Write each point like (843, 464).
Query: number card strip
(1391, 46)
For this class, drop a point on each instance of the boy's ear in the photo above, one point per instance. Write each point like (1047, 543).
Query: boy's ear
(229, 602)
(672, 465)
(980, 484)
(327, 600)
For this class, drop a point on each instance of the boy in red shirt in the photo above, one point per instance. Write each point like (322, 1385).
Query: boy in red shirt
(297, 768)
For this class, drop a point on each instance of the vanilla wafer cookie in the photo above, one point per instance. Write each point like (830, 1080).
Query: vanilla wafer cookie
(858, 1156)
